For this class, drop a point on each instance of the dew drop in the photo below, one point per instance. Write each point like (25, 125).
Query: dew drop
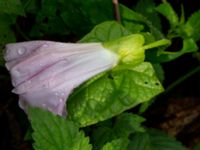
(16, 73)
(60, 100)
(21, 50)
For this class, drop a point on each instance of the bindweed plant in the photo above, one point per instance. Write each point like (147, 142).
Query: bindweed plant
(80, 95)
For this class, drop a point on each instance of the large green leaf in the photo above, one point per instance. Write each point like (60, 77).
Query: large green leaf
(105, 31)
(154, 140)
(53, 132)
(104, 97)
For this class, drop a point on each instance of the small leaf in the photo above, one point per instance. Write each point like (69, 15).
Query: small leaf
(154, 140)
(113, 93)
(166, 10)
(118, 144)
(11, 7)
(52, 132)
(191, 28)
(105, 31)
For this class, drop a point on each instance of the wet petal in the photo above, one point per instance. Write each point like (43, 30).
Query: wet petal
(45, 75)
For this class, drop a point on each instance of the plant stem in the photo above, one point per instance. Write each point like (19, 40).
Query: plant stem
(116, 9)
(157, 44)
(181, 79)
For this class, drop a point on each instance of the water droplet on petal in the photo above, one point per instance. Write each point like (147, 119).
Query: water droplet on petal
(56, 93)
(15, 73)
(21, 50)
(60, 100)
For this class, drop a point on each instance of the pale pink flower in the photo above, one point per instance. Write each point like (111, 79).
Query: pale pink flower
(44, 73)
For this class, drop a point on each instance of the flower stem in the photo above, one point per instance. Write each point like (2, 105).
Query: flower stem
(116, 9)
(157, 44)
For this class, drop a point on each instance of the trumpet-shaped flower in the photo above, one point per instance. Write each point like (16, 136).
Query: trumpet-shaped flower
(44, 73)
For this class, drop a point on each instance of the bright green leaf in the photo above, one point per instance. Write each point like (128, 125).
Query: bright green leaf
(191, 28)
(166, 10)
(113, 93)
(154, 140)
(11, 7)
(53, 132)
(105, 31)
(118, 144)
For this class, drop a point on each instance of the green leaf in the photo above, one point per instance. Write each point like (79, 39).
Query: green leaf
(128, 123)
(118, 144)
(81, 16)
(122, 126)
(53, 132)
(189, 46)
(154, 140)
(147, 9)
(166, 10)
(104, 97)
(191, 28)
(138, 22)
(11, 7)
(105, 31)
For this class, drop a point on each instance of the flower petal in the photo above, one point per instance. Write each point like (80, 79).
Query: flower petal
(47, 75)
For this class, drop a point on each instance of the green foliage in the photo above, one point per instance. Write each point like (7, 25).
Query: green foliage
(11, 7)
(124, 125)
(191, 28)
(154, 140)
(147, 9)
(113, 93)
(105, 31)
(110, 93)
(118, 144)
(55, 133)
(166, 10)
(136, 22)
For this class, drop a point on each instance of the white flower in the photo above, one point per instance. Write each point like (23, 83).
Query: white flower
(44, 73)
